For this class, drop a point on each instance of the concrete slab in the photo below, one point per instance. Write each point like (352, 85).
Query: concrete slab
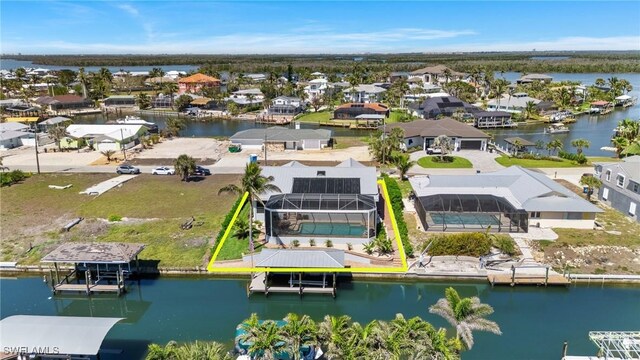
(107, 185)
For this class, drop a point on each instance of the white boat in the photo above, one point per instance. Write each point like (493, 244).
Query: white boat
(135, 120)
(556, 128)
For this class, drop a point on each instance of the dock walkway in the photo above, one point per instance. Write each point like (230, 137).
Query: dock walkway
(88, 288)
(528, 279)
(258, 286)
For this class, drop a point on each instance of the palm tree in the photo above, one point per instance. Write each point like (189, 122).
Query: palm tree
(554, 145)
(333, 331)
(108, 154)
(591, 182)
(255, 184)
(499, 88)
(174, 125)
(600, 82)
(242, 228)
(299, 331)
(444, 143)
(404, 164)
(579, 144)
(57, 133)
(517, 145)
(185, 165)
(264, 338)
(530, 109)
(629, 129)
(620, 143)
(156, 72)
(143, 100)
(159, 352)
(465, 314)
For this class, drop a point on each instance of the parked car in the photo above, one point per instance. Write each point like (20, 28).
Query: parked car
(201, 171)
(163, 170)
(431, 151)
(127, 169)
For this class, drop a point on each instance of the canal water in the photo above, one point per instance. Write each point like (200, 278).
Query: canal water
(535, 321)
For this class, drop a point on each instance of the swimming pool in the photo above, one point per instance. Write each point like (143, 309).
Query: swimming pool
(332, 229)
(465, 219)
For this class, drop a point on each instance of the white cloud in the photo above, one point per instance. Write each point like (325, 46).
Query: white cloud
(128, 9)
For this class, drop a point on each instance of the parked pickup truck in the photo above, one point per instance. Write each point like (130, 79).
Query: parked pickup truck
(431, 151)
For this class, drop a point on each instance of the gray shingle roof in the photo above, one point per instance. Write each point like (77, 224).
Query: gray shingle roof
(523, 188)
(291, 258)
(12, 126)
(435, 128)
(277, 133)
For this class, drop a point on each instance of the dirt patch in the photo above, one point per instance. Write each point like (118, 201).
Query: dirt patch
(590, 259)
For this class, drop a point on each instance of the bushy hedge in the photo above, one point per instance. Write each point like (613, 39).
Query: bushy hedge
(579, 158)
(464, 244)
(537, 157)
(227, 220)
(13, 177)
(395, 198)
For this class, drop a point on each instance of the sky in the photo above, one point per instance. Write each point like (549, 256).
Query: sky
(310, 27)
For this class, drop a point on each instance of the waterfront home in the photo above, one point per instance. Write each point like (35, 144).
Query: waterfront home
(319, 75)
(435, 106)
(397, 75)
(515, 103)
(337, 203)
(53, 122)
(64, 102)
(280, 138)
(120, 101)
(509, 200)
(517, 144)
(621, 185)
(196, 83)
(437, 74)
(492, 119)
(351, 111)
(422, 133)
(14, 134)
(363, 94)
(316, 88)
(175, 74)
(255, 77)
(103, 136)
(530, 78)
(286, 105)
(9, 103)
(601, 107)
(246, 97)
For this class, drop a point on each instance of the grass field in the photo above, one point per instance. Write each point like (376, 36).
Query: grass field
(531, 163)
(457, 163)
(233, 248)
(153, 208)
(344, 142)
(315, 117)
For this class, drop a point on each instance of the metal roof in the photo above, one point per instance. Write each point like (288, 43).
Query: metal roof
(277, 133)
(12, 126)
(293, 258)
(523, 142)
(523, 188)
(61, 335)
(95, 253)
(55, 120)
(10, 134)
(435, 128)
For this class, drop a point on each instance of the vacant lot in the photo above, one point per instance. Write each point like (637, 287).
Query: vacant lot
(151, 207)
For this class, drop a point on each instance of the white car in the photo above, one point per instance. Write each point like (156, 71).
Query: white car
(163, 170)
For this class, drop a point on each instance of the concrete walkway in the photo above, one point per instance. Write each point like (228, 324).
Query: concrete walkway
(107, 185)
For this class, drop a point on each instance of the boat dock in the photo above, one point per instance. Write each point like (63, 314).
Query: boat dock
(88, 288)
(258, 285)
(529, 278)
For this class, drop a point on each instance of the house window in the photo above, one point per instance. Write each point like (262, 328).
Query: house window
(259, 208)
(605, 194)
(608, 177)
(632, 209)
(620, 180)
(573, 216)
(636, 188)
(410, 141)
(535, 214)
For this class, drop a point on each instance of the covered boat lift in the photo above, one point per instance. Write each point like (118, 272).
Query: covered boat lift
(54, 337)
(95, 266)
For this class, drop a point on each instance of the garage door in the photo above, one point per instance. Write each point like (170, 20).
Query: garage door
(471, 144)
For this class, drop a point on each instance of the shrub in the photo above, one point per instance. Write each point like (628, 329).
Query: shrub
(443, 159)
(13, 177)
(115, 218)
(295, 243)
(369, 247)
(578, 158)
(328, 243)
(395, 198)
(383, 246)
(505, 244)
(466, 244)
(312, 242)
(227, 220)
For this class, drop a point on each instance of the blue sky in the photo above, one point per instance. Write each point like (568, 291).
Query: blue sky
(104, 27)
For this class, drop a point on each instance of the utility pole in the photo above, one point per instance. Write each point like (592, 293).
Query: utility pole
(384, 145)
(124, 151)
(36, 147)
(265, 147)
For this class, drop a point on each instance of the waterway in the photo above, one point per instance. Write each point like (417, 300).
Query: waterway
(11, 64)
(534, 321)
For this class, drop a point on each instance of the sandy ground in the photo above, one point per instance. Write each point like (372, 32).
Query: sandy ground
(26, 155)
(198, 148)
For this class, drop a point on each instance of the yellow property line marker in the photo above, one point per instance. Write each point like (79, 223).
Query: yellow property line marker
(394, 225)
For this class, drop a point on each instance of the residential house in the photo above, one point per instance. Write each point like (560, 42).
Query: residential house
(286, 105)
(509, 200)
(530, 78)
(120, 101)
(280, 138)
(515, 103)
(364, 94)
(351, 111)
(397, 75)
(160, 80)
(12, 135)
(423, 133)
(437, 74)
(52, 122)
(247, 97)
(492, 119)
(621, 185)
(435, 106)
(316, 88)
(256, 77)
(196, 83)
(319, 75)
(320, 202)
(175, 74)
(63, 102)
(103, 136)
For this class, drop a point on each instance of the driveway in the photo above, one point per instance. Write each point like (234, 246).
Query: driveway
(480, 160)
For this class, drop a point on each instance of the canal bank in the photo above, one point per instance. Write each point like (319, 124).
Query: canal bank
(197, 308)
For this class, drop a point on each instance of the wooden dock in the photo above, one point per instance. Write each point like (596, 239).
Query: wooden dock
(88, 288)
(528, 279)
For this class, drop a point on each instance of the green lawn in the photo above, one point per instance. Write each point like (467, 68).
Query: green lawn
(233, 248)
(344, 142)
(155, 206)
(531, 163)
(457, 163)
(316, 117)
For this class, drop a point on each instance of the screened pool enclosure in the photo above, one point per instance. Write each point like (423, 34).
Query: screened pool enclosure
(336, 217)
(468, 212)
